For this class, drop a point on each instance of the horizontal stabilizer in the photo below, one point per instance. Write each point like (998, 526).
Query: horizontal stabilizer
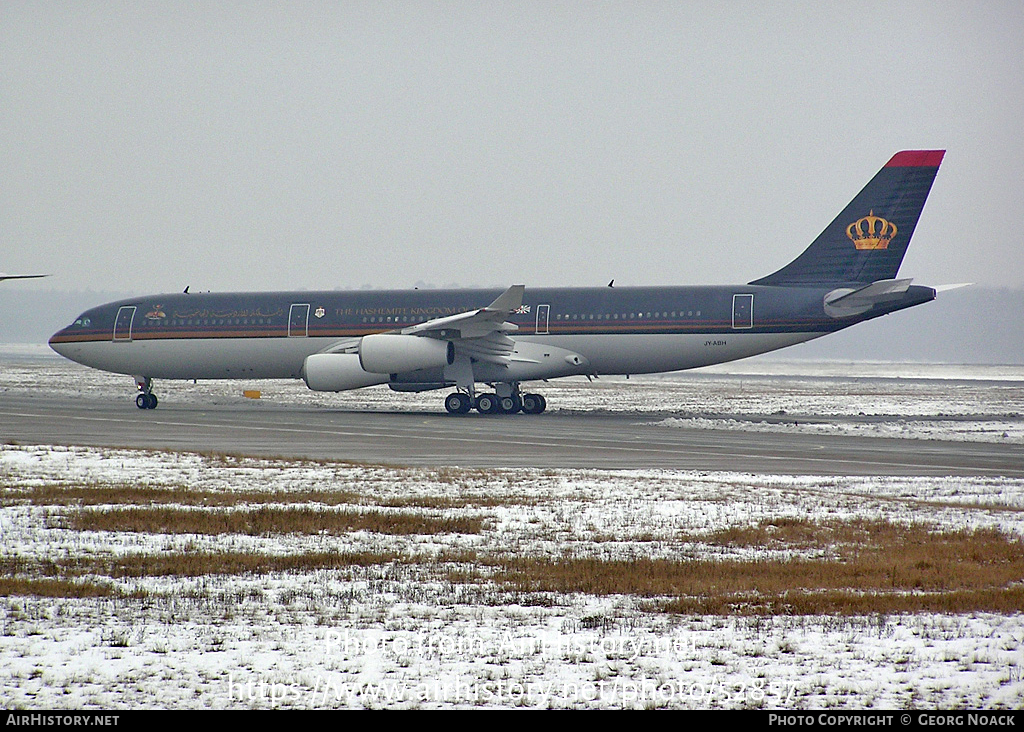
(845, 302)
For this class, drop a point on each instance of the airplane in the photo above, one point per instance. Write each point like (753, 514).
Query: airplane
(5, 276)
(420, 340)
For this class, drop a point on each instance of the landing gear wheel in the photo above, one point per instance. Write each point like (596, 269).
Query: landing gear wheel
(487, 403)
(533, 404)
(457, 403)
(146, 401)
(509, 404)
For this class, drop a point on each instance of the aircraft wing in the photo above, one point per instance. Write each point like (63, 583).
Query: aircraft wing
(474, 323)
(346, 345)
(480, 334)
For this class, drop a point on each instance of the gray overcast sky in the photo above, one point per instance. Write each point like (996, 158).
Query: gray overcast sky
(306, 145)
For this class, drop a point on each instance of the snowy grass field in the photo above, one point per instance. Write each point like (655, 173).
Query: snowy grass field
(336, 585)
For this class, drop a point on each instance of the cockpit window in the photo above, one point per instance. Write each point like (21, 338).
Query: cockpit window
(83, 322)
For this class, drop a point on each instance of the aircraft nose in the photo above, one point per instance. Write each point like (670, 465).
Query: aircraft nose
(58, 342)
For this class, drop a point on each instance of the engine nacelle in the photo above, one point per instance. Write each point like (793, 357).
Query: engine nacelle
(337, 372)
(387, 353)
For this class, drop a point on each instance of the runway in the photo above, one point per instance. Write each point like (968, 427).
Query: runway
(557, 440)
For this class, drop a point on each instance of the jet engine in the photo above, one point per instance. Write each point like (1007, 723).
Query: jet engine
(337, 372)
(388, 353)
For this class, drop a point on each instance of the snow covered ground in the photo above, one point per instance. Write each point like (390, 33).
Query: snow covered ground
(396, 634)
(403, 634)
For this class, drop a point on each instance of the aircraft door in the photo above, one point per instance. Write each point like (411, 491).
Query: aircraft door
(123, 323)
(298, 320)
(742, 311)
(543, 314)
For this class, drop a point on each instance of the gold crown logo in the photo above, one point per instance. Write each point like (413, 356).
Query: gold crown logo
(871, 232)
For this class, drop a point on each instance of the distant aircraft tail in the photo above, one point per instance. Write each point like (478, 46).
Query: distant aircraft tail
(867, 241)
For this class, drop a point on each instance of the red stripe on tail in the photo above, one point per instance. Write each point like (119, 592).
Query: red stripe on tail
(916, 159)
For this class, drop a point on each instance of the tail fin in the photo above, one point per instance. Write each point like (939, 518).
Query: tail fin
(867, 241)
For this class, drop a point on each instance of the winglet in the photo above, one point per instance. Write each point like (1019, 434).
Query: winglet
(508, 301)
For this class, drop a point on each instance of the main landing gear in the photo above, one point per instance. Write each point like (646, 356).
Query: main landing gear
(146, 398)
(461, 402)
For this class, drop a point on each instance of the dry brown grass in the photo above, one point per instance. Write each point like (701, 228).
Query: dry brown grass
(197, 564)
(879, 567)
(802, 602)
(262, 521)
(105, 494)
(142, 495)
(53, 588)
(782, 532)
(841, 567)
